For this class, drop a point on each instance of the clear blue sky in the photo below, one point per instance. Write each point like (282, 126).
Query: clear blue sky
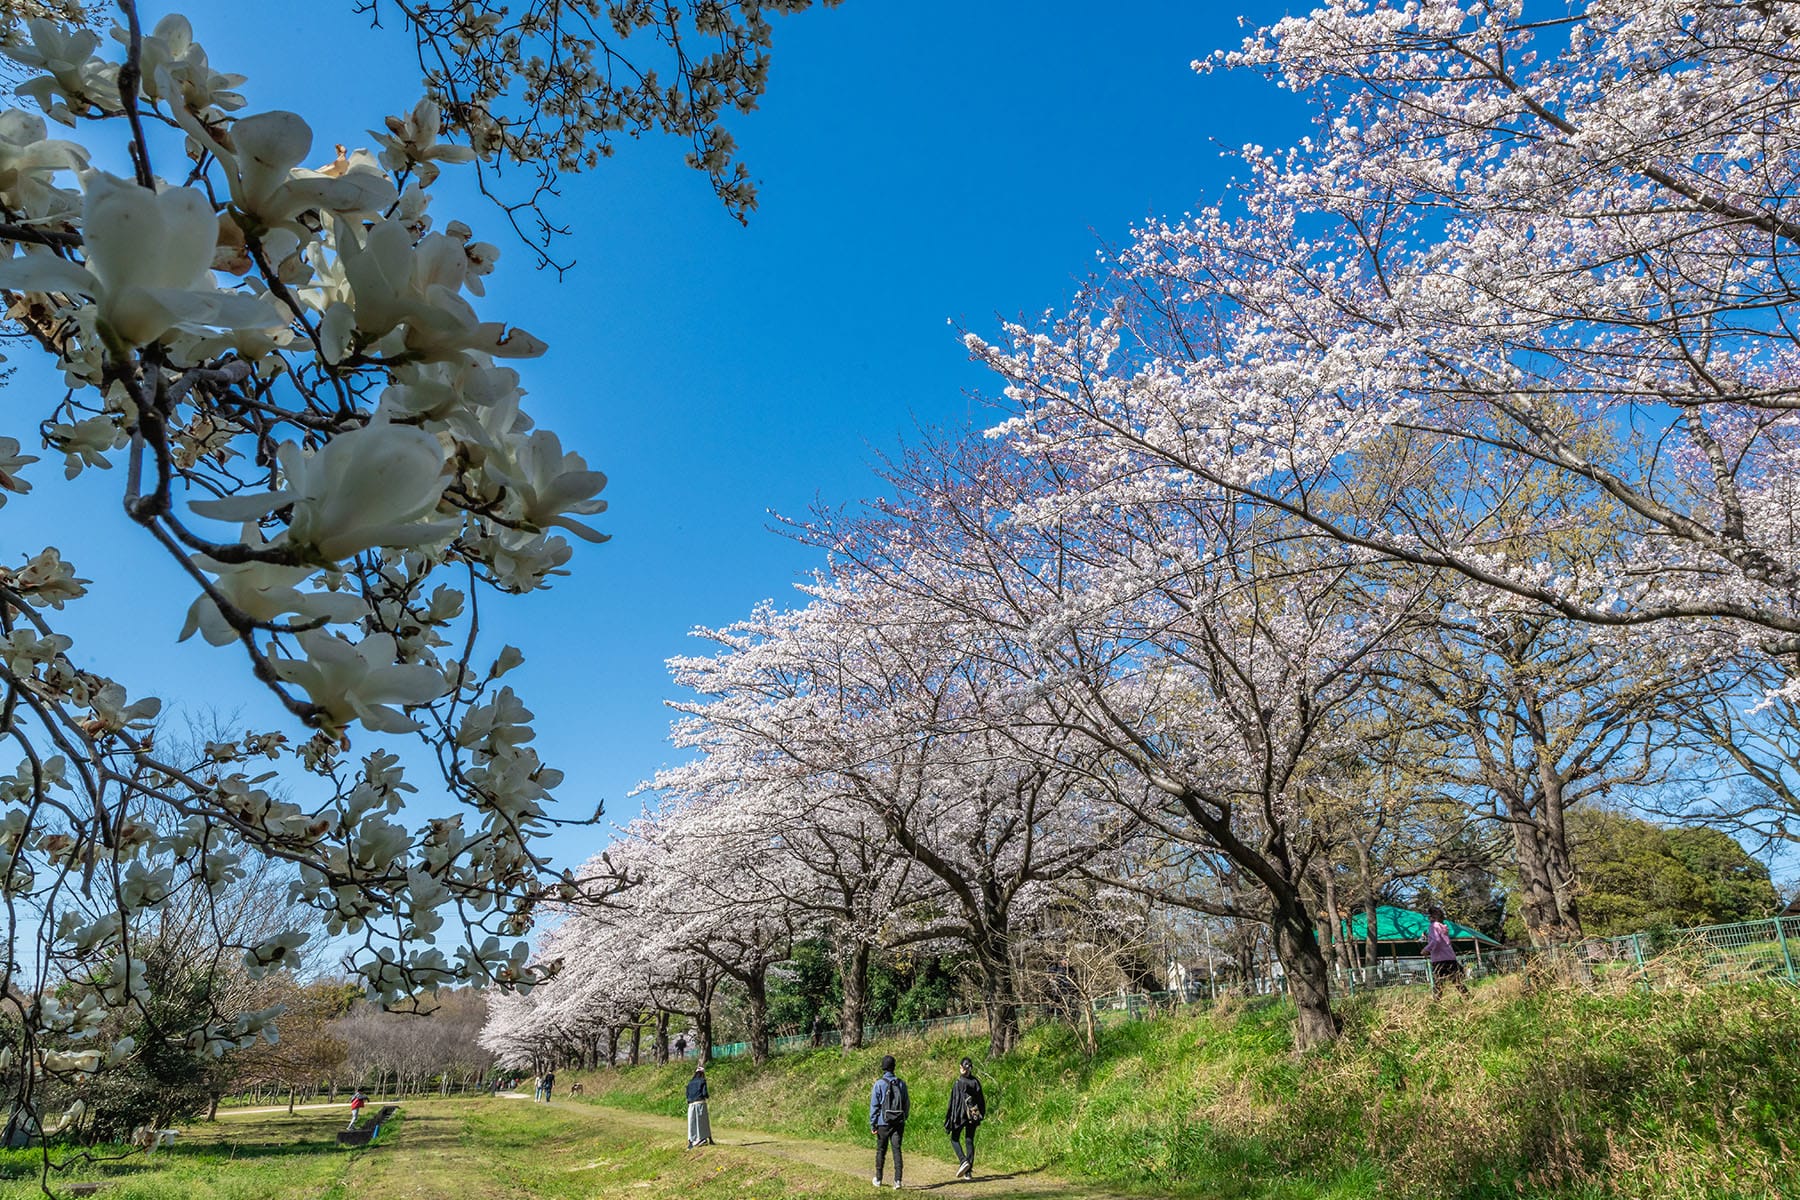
(922, 163)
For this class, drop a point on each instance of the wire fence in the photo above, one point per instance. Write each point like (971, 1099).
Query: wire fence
(1765, 949)
(1768, 949)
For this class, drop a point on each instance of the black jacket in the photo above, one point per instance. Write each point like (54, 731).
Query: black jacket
(696, 1088)
(968, 1107)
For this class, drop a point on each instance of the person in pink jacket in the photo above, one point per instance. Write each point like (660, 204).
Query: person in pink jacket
(1444, 966)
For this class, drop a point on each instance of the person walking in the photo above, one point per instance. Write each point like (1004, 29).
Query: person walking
(699, 1126)
(549, 1082)
(358, 1100)
(1444, 964)
(818, 1030)
(967, 1109)
(681, 1045)
(889, 1106)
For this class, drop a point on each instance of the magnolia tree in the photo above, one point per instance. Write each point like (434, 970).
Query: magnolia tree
(1558, 238)
(277, 352)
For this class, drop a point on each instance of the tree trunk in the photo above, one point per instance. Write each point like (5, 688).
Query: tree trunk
(612, 1045)
(703, 1035)
(1308, 979)
(999, 1001)
(290, 1099)
(756, 992)
(659, 1045)
(637, 1038)
(212, 1107)
(1538, 907)
(853, 973)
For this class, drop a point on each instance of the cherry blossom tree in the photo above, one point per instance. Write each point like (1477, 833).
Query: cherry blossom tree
(1556, 238)
(869, 693)
(817, 854)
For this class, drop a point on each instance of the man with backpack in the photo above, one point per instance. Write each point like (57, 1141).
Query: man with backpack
(888, 1109)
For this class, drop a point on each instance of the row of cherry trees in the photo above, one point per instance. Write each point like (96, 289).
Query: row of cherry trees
(1438, 481)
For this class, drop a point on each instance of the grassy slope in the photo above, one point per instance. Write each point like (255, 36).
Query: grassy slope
(1685, 1092)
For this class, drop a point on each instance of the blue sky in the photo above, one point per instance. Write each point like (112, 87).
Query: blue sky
(923, 164)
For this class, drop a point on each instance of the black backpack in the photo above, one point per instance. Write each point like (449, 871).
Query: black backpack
(894, 1103)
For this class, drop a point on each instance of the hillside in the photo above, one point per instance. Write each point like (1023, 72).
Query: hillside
(1545, 1092)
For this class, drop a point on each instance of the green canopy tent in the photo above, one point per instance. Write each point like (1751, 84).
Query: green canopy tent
(1403, 931)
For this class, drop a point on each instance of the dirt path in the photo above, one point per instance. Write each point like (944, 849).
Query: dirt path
(928, 1167)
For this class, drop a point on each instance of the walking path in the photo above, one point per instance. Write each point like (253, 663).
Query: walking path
(928, 1169)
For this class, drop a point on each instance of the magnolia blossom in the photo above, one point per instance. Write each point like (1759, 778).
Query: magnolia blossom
(11, 462)
(263, 592)
(29, 161)
(72, 74)
(262, 154)
(547, 484)
(149, 258)
(370, 487)
(411, 141)
(360, 681)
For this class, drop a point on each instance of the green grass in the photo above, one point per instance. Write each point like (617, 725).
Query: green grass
(437, 1150)
(1555, 1093)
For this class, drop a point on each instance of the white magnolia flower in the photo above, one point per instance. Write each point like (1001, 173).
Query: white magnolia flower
(369, 487)
(149, 260)
(360, 681)
(11, 461)
(412, 141)
(112, 712)
(72, 74)
(29, 160)
(396, 283)
(46, 580)
(175, 69)
(544, 484)
(23, 651)
(263, 592)
(85, 442)
(262, 154)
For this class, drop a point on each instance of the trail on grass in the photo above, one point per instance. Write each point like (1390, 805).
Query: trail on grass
(928, 1169)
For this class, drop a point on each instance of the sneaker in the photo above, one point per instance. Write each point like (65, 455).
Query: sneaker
(964, 1171)
(876, 1181)
(896, 1185)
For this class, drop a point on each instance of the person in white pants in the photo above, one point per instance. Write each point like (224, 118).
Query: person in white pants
(699, 1127)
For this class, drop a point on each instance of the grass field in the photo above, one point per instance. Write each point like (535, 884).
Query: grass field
(1547, 1094)
(442, 1150)
(1556, 1093)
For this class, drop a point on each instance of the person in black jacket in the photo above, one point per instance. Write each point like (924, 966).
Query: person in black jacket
(968, 1107)
(699, 1126)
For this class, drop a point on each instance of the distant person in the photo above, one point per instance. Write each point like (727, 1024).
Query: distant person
(681, 1045)
(358, 1100)
(1444, 965)
(549, 1082)
(537, 1087)
(818, 1030)
(889, 1106)
(699, 1125)
(968, 1107)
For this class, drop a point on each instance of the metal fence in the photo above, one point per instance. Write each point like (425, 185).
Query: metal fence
(1766, 949)
(1716, 953)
